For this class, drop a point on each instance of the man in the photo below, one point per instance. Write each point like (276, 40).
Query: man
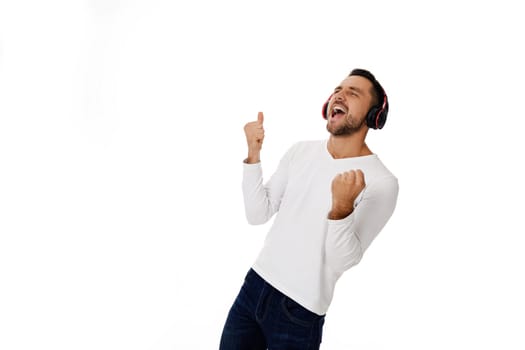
(332, 197)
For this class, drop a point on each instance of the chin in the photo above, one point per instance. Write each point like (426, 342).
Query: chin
(341, 131)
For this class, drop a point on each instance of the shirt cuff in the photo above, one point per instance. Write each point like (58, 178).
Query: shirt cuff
(251, 170)
(251, 164)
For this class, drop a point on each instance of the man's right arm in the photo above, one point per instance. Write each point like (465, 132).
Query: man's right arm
(261, 201)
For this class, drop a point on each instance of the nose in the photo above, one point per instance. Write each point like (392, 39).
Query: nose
(337, 96)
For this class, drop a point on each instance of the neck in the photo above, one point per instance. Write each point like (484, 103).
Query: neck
(347, 146)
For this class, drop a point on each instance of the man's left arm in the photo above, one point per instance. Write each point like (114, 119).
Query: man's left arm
(352, 225)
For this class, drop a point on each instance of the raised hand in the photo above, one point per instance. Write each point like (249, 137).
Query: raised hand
(345, 189)
(254, 137)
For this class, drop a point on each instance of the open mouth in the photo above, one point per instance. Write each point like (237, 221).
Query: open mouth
(338, 111)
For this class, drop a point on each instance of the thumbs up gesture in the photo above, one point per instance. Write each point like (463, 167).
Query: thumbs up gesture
(254, 137)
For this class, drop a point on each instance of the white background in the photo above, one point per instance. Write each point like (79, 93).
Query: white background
(121, 141)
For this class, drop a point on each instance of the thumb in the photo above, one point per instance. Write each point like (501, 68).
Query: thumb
(260, 117)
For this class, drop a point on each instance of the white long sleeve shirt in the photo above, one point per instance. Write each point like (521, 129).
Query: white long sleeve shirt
(305, 253)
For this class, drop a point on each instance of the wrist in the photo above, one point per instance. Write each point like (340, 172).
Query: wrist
(253, 157)
(335, 215)
(338, 213)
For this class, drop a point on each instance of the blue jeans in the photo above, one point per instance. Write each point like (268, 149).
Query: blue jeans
(264, 318)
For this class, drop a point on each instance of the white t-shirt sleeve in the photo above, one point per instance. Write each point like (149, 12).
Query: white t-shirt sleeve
(348, 238)
(262, 201)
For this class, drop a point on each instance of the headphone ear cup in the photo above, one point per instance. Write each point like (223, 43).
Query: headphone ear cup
(371, 117)
(376, 117)
(381, 118)
(324, 111)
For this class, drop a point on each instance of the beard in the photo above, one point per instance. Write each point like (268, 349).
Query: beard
(349, 127)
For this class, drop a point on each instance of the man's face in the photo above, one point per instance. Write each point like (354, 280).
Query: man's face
(349, 105)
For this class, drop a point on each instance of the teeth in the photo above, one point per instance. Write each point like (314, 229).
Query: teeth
(338, 109)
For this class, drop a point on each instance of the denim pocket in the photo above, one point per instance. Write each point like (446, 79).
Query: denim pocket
(298, 314)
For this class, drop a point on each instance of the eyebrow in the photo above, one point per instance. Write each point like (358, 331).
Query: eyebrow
(358, 90)
(354, 88)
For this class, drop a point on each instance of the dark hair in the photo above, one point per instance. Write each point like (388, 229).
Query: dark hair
(378, 93)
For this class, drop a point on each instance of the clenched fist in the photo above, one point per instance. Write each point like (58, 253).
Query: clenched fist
(345, 189)
(254, 137)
